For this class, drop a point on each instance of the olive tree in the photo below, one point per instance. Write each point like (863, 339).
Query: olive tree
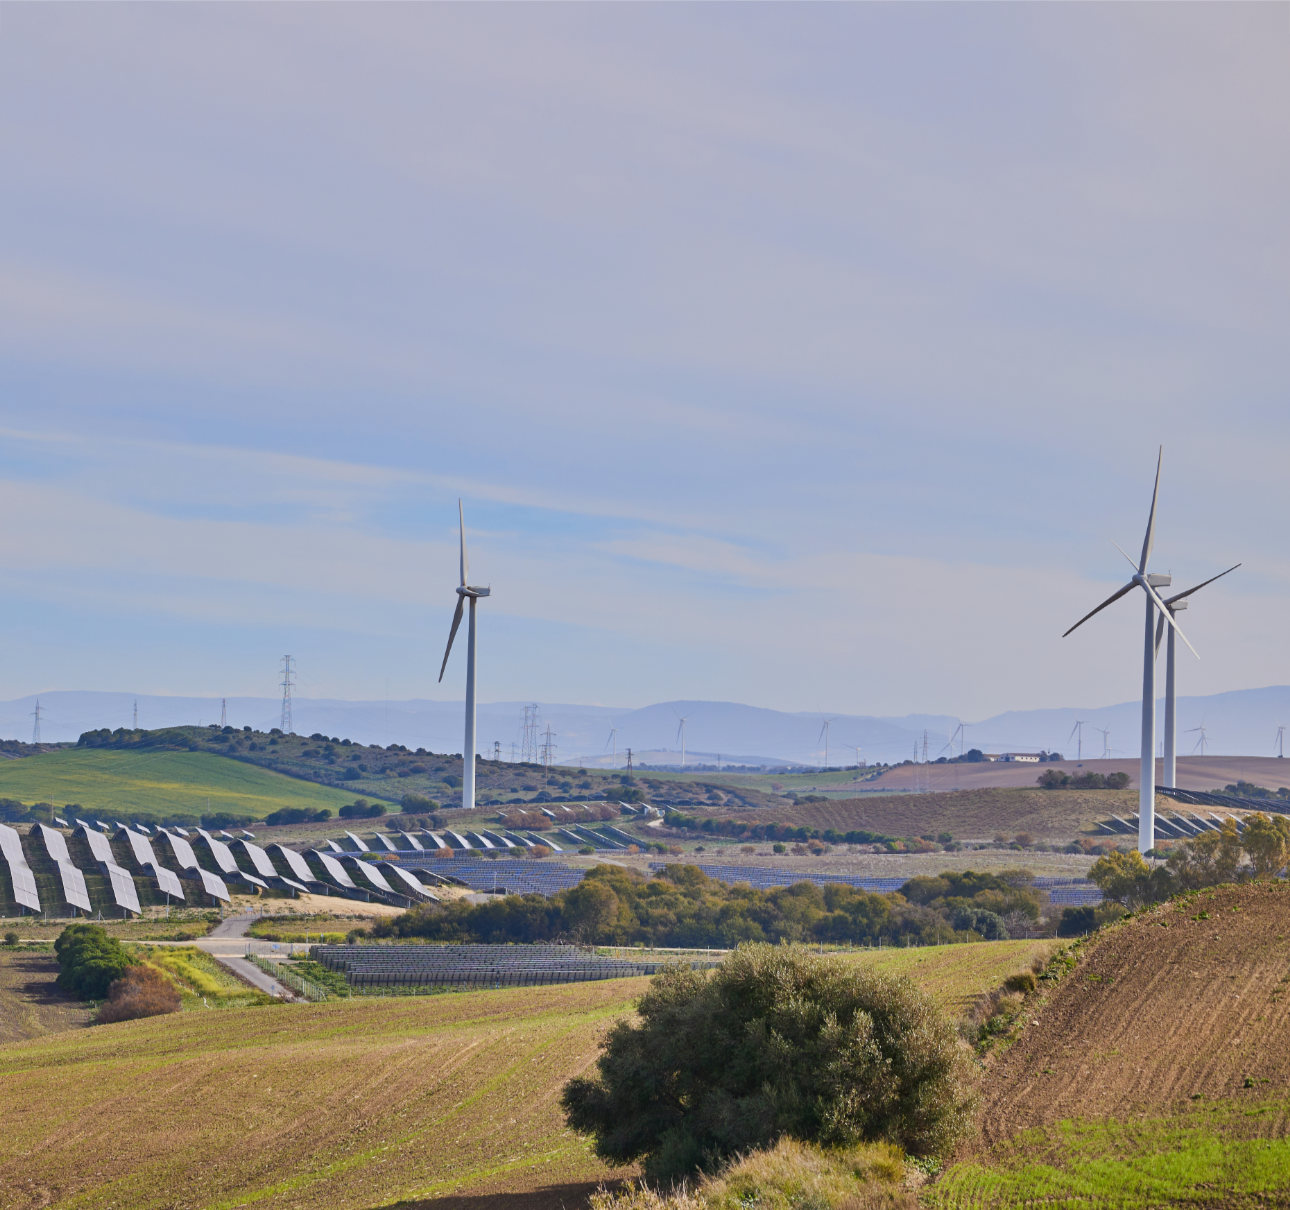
(776, 1042)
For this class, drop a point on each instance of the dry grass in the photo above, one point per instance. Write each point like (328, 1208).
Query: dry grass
(31, 1004)
(788, 1176)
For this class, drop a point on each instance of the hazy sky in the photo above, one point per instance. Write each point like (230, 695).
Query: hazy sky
(807, 356)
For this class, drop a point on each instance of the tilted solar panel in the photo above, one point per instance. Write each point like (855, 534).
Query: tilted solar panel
(407, 879)
(55, 843)
(100, 847)
(75, 891)
(258, 858)
(373, 875)
(123, 889)
(296, 865)
(24, 881)
(334, 871)
(359, 845)
(213, 885)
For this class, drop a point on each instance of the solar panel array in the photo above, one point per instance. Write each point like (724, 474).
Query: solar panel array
(515, 875)
(146, 859)
(431, 966)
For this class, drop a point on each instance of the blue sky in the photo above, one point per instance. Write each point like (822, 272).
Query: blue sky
(806, 356)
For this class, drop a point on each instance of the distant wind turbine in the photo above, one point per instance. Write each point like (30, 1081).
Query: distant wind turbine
(1200, 742)
(1077, 730)
(1106, 740)
(612, 741)
(1148, 582)
(1172, 606)
(680, 734)
(1281, 741)
(466, 593)
(824, 735)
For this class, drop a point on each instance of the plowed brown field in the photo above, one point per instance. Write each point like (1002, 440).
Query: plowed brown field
(1187, 1001)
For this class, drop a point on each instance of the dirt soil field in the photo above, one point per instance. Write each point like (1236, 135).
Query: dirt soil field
(1188, 1001)
(31, 1004)
(1194, 773)
(448, 1101)
(968, 815)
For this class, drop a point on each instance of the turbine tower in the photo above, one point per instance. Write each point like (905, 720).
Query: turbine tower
(824, 735)
(1106, 740)
(1148, 582)
(1077, 730)
(1281, 742)
(680, 734)
(1200, 742)
(466, 593)
(1172, 605)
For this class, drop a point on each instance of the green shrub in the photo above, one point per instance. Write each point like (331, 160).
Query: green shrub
(89, 961)
(777, 1043)
(11, 939)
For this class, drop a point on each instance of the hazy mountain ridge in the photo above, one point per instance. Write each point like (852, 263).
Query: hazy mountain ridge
(1240, 722)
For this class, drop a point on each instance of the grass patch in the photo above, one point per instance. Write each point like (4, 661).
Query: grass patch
(1209, 1155)
(202, 982)
(151, 784)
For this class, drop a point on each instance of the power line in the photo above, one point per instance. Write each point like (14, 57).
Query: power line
(223, 712)
(35, 729)
(529, 746)
(287, 682)
(548, 747)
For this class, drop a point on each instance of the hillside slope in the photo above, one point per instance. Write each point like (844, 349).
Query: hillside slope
(147, 784)
(1158, 1071)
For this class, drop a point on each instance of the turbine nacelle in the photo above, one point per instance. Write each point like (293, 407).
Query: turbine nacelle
(470, 590)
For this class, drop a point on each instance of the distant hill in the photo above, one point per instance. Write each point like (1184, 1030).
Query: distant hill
(158, 784)
(1243, 722)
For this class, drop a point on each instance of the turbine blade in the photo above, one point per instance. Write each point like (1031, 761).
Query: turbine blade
(1115, 596)
(1160, 632)
(465, 563)
(1167, 616)
(1071, 736)
(1151, 520)
(1127, 557)
(452, 634)
(1183, 595)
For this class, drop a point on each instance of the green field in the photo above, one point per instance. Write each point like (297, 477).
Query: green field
(149, 784)
(1222, 1153)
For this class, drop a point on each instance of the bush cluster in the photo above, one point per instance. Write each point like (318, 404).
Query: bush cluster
(1055, 779)
(682, 906)
(776, 1043)
(741, 829)
(297, 815)
(89, 961)
(360, 808)
(142, 991)
(1261, 851)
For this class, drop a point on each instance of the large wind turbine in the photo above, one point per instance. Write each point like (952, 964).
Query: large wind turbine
(1172, 606)
(1148, 582)
(466, 593)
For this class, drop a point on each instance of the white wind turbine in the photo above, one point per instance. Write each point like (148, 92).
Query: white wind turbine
(680, 734)
(1200, 743)
(1172, 606)
(824, 735)
(1148, 582)
(466, 593)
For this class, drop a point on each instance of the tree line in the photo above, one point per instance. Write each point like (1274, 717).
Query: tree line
(682, 906)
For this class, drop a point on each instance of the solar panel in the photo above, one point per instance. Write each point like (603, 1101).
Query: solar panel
(75, 891)
(334, 871)
(185, 858)
(295, 863)
(55, 843)
(213, 885)
(402, 876)
(460, 841)
(484, 842)
(247, 835)
(222, 855)
(62, 823)
(258, 858)
(413, 842)
(24, 881)
(100, 848)
(436, 839)
(146, 859)
(373, 875)
(359, 846)
(384, 842)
